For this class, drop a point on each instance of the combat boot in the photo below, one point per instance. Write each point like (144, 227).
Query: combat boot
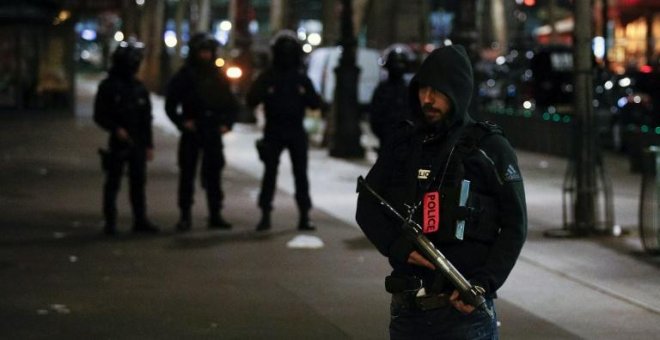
(145, 226)
(264, 223)
(110, 228)
(217, 222)
(185, 222)
(304, 224)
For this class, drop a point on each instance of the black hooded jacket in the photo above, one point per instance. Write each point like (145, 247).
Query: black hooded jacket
(495, 233)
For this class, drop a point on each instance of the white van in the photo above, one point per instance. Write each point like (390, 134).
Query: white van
(321, 70)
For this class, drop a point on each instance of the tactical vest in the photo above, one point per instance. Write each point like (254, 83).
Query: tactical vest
(480, 212)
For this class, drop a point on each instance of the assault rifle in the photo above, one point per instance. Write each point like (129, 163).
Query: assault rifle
(470, 294)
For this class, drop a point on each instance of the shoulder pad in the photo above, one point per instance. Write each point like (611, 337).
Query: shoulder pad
(490, 127)
(474, 133)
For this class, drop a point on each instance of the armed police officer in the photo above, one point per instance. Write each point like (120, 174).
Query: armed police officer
(285, 92)
(389, 103)
(460, 181)
(200, 103)
(122, 107)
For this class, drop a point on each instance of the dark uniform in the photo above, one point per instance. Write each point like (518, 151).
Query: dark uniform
(285, 92)
(122, 107)
(389, 103)
(423, 158)
(208, 109)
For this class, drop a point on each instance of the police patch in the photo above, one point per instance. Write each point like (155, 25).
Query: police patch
(423, 173)
(512, 174)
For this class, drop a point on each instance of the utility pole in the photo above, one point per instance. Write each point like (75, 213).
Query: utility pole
(586, 178)
(585, 205)
(345, 140)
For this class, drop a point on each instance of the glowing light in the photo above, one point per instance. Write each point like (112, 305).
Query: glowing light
(302, 35)
(599, 47)
(609, 85)
(637, 99)
(500, 60)
(119, 36)
(234, 72)
(139, 2)
(63, 15)
(88, 34)
(314, 39)
(219, 62)
(170, 39)
(646, 69)
(225, 25)
(625, 82)
(307, 48)
(527, 105)
(622, 102)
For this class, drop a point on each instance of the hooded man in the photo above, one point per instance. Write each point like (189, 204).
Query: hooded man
(200, 103)
(421, 172)
(285, 91)
(122, 107)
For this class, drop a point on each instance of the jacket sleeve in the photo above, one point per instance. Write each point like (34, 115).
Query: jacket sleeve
(174, 98)
(312, 99)
(510, 195)
(380, 228)
(104, 109)
(148, 120)
(257, 91)
(231, 105)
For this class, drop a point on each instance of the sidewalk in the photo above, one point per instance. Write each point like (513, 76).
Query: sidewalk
(60, 279)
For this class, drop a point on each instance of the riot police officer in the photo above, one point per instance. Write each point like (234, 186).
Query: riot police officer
(460, 181)
(389, 103)
(122, 107)
(285, 92)
(200, 103)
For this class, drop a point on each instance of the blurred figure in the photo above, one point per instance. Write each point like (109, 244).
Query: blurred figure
(122, 107)
(285, 92)
(200, 103)
(389, 103)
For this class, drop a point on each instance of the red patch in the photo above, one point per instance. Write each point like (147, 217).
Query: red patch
(431, 212)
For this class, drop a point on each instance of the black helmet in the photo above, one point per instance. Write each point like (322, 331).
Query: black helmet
(199, 42)
(127, 57)
(397, 58)
(287, 50)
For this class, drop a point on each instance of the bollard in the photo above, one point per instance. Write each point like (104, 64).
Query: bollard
(649, 210)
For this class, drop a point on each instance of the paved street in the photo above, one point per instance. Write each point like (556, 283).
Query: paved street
(61, 278)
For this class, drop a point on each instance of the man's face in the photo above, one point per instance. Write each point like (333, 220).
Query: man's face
(435, 105)
(205, 54)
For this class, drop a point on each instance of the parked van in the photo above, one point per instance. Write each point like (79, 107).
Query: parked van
(321, 70)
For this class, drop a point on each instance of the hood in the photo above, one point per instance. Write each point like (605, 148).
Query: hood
(448, 70)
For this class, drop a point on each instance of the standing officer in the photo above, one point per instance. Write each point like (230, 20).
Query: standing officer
(389, 103)
(122, 107)
(285, 92)
(208, 110)
(427, 162)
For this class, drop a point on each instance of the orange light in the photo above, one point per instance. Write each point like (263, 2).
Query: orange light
(234, 72)
(529, 2)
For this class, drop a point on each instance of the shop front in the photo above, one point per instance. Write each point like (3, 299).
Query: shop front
(36, 45)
